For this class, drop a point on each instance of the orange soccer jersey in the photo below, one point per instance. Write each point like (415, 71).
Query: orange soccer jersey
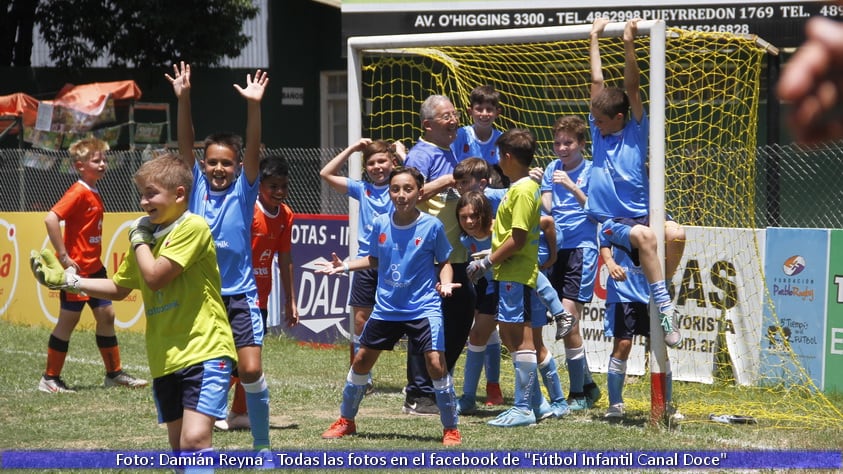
(271, 234)
(81, 209)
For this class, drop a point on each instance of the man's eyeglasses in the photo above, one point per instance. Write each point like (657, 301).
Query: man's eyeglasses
(447, 117)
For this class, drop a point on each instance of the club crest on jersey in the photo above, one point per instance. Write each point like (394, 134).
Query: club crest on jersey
(382, 238)
(418, 241)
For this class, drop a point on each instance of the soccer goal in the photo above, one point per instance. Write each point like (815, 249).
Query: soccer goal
(701, 91)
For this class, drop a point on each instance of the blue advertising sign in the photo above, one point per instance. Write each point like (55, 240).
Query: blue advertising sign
(322, 299)
(796, 267)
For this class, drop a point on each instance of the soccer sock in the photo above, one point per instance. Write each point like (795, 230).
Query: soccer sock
(587, 378)
(352, 394)
(193, 454)
(238, 404)
(537, 398)
(446, 400)
(257, 403)
(525, 377)
(548, 295)
(110, 353)
(56, 353)
(550, 377)
(614, 379)
(473, 365)
(492, 361)
(660, 294)
(575, 358)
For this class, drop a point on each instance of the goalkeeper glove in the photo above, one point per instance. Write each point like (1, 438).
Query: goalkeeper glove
(49, 272)
(141, 232)
(477, 268)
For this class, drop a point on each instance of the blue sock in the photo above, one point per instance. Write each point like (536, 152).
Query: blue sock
(587, 378)
(493, 363)
(614, 379)
(548, 295)
(575, 359)
(352, 394)
(473, 365)
(196, 470)
(257, 402)
(525, 377)
(538, 396)
(446, 400)
(550, 377)
(660, 294)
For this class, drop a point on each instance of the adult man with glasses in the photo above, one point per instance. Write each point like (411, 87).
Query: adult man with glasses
(432, 156)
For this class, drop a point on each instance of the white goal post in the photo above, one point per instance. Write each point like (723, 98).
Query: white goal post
(655, 29)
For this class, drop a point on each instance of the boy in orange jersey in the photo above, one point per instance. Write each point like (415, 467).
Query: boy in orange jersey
(272, 228)
(81, 208)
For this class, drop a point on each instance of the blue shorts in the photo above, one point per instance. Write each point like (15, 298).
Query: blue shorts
(574, 272)
(364, 285)
(487, 297)
(77, 302)
(518, 304)
(423, 334)
(245, 319)
(202, 387)
(625, 320)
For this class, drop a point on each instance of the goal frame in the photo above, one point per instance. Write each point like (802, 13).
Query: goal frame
(655, 29)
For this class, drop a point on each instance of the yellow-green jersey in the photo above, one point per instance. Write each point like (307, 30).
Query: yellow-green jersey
(186, 321)
(518, 210)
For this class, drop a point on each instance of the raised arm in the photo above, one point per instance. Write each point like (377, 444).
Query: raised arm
(594, 55)
(329, 172)
(180, 80)
(253, 93)
(631, 73)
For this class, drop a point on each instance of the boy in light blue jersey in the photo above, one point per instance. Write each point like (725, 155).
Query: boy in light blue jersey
(564, 188)
(224, 194)
(619, 187)
(478, 139)
(404, 246)
(379, 158)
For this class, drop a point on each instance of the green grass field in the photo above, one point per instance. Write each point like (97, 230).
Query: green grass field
(305, 384)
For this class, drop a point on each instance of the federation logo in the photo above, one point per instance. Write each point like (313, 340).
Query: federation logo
(794, 265)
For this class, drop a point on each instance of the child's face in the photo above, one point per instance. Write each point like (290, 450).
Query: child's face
(567, 148)
(469, 183)
(220, 166)
(484, 115)
(274, 190)
(470, 222)
(163, 206)
(606, 124)
(404, 192)
(378, 167)
(93, 169)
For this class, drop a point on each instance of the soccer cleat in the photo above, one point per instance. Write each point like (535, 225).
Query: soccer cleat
(341, 427)
(592, 394)
(466, 405)
(123, 379)
(370, 386)
(577, 404)
(565, 322)
(420, 406)
(53, 385)
(514, 417)
(670, 324)
(560, 409)
(268, 458)
(615, 412)
(493, 394)
(543, 411)
(451, 437)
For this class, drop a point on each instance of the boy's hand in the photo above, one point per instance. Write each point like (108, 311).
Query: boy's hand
(631, 29)
(362, 144)
(49, 272)
(333, 267)
(141, 232)
(599, 25)
(180, 79)
(254, 88)
(537, 174)
(447, 289)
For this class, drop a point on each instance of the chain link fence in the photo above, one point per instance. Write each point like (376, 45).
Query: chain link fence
(795, 186)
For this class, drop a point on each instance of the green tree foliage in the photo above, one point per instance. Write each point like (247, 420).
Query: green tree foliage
(144, 33)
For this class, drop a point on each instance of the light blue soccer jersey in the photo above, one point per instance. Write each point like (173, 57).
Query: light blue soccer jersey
(229, 215)
(495, 196)
(432, 161)
(576, 228)
(374, 201)
(635, 289)
(619, 186)
(467, 145)
(407, 274)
